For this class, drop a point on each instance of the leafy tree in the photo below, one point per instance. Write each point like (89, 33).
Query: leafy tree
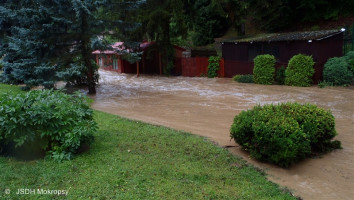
(277, 15)
(212, 18)
(209, 22)
(235, 11)
(272, 15)
(159, 21)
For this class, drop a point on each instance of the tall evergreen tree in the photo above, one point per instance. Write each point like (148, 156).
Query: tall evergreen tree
(44, 41)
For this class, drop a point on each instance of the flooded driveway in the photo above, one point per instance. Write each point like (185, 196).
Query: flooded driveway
(207, 107)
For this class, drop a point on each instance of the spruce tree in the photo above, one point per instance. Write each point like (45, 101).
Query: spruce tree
(45, 41)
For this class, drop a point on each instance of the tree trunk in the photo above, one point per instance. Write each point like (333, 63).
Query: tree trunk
(86, 55)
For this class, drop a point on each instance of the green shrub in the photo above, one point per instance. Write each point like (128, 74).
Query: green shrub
(299, 71)
(349, 57)
(337, 72)
(214, 66)
(264, 68)
(286, 133)
(51, 121)
(248, 78)
(236, 77)
(280, 76)
(324, 84)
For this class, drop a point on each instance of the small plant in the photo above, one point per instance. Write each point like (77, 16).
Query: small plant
(286, 133)
(248, 78)
(236, 77)
(324, 84)
(49, 121)
(214, 66)
(337, 72)
(203, 75)
(280, 76)
(169, 68)
(264, 68)
(300, 71)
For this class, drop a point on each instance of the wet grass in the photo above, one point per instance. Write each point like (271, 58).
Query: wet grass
(8, 88)
(134, 160)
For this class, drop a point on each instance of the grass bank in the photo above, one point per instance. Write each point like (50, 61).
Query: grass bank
(134, 160)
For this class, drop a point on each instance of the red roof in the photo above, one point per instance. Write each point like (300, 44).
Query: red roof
(120, 47)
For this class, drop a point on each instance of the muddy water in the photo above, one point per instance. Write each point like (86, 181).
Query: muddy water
(207, 107)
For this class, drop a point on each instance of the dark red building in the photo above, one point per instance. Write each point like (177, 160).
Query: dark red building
(150, 62)
(239, 53)
(112, 60)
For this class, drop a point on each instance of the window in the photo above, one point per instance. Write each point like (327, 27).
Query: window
(100, 61)
(115, 63)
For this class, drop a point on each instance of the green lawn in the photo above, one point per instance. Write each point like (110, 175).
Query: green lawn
(8, 88)
(134, 160)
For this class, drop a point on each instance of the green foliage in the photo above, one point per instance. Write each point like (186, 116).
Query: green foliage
(300, 71)
(349, 58)
(247, 78)
(134, 160)
(337, 72)
(211, 19)
(280, 76)
(286, 133)
(132, 57)
(264, 68)
(49, 120)
(168, 69)
(42, 38)
(277, 15)
(324, 84)
(214, 66)
(160, 22)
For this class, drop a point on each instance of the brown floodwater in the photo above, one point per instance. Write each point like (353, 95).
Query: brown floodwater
(207, 107)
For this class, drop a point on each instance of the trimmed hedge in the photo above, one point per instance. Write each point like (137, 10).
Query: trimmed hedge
(336, 71)
(300, 71)
(286, 133)
(248, 78)
(48, 122)
(214, 66)
(264, 68)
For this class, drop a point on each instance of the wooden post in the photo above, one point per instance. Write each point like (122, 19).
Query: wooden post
(160, 64)
(137, 69)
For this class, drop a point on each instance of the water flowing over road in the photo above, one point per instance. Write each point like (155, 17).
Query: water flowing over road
(207, 107)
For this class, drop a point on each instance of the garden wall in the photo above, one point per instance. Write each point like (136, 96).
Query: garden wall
(198, 66)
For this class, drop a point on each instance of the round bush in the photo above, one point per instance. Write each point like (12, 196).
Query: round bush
(286, 133)
(264, 68)
(336, 71)
(300, 71)
(50, 121)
